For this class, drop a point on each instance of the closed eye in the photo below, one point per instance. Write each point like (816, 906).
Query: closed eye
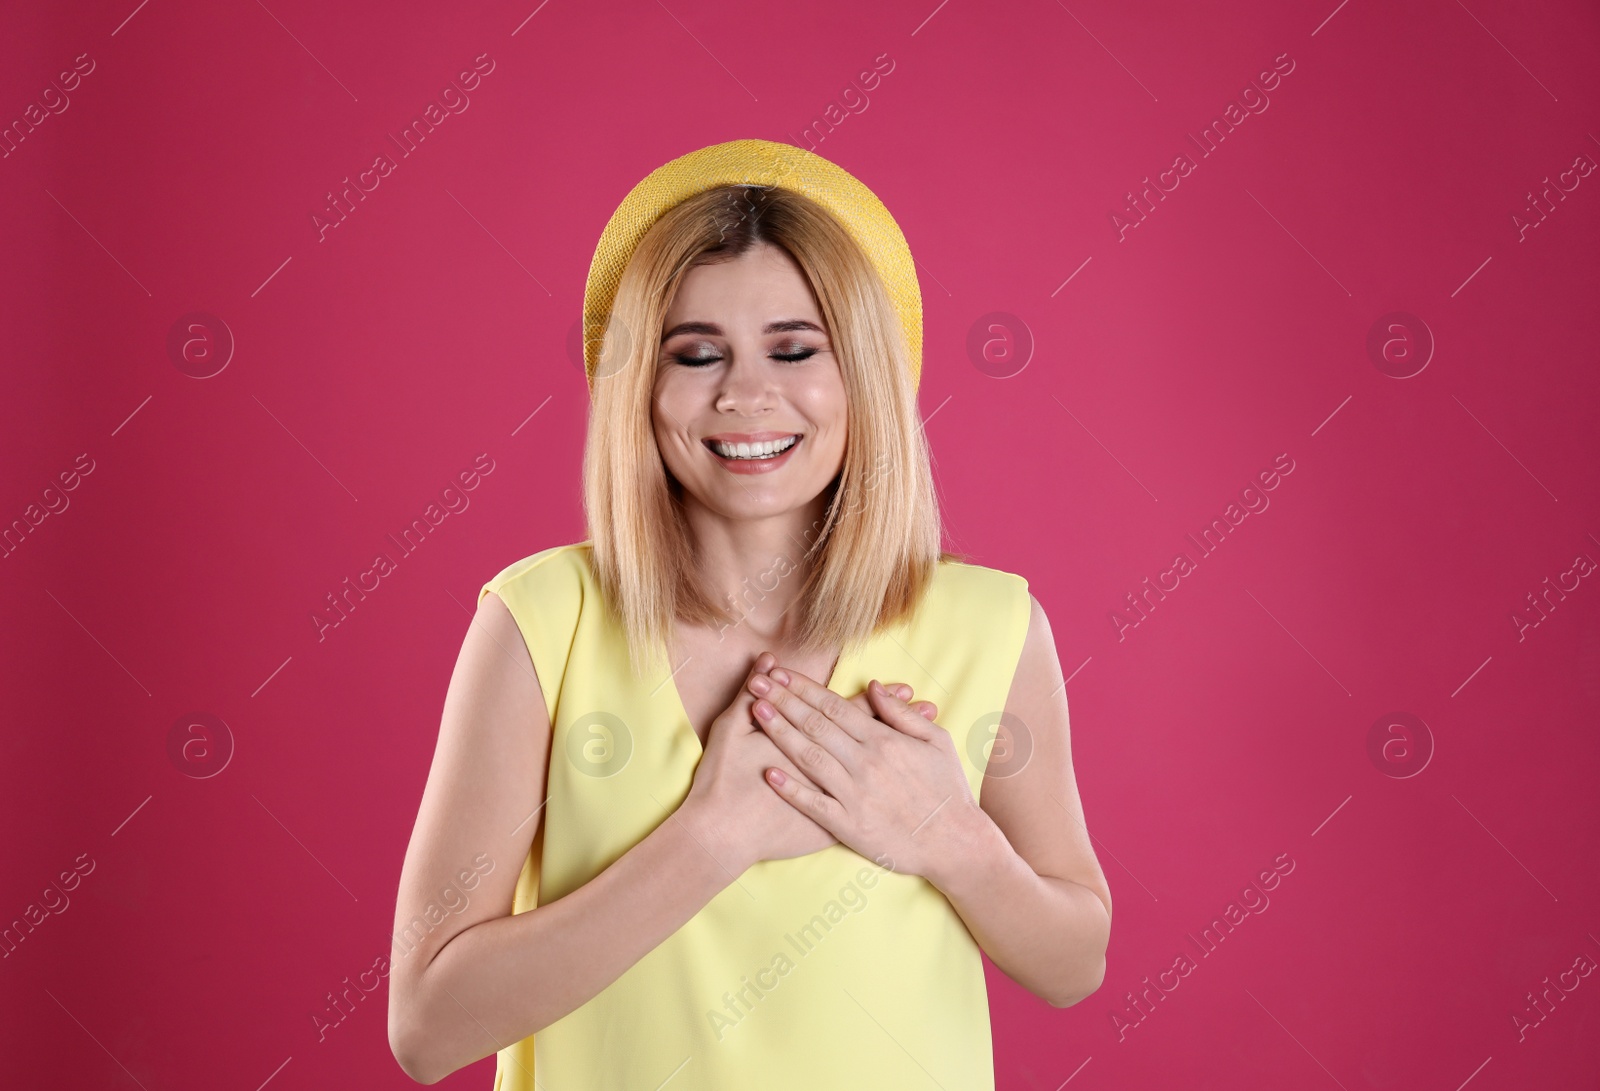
(790, 357)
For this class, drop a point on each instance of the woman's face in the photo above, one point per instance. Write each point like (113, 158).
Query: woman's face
(746, 360)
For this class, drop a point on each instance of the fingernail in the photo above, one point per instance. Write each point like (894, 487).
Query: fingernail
(776, 776)
(760, 684)
(780, 677)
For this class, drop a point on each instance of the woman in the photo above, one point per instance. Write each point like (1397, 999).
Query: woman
(677, 854)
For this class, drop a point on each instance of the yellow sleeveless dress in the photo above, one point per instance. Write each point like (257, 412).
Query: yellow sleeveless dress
(818, 973)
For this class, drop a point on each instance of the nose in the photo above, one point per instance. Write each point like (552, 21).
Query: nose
(746, 386)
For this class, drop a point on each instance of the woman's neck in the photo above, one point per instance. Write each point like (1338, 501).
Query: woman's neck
(755, 568)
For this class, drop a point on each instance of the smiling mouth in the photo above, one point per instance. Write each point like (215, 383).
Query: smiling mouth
(752, 452)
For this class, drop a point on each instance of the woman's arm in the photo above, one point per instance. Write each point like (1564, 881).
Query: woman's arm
(1022, 872)
(481, 978)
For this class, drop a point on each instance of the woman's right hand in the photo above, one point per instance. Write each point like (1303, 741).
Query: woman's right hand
(731, 810)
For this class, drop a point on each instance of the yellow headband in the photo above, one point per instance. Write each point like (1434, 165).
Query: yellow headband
(758, 163)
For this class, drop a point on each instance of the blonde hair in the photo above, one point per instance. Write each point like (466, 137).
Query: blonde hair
(876, 550)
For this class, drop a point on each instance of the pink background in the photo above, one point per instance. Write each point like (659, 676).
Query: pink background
(1228, 728)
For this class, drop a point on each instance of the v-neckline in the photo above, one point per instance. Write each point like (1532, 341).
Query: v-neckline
(686, 722)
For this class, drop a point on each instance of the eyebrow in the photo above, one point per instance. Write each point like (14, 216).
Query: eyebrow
(787, 325)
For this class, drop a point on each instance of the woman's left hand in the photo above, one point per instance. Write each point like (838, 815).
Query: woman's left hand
(892, 786)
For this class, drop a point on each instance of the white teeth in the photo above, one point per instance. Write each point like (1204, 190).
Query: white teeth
(753, 450)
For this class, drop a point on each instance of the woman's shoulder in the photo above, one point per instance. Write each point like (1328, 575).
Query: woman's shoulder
(979, 600)
(972, 624)
(966, 582)
(558, 568)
